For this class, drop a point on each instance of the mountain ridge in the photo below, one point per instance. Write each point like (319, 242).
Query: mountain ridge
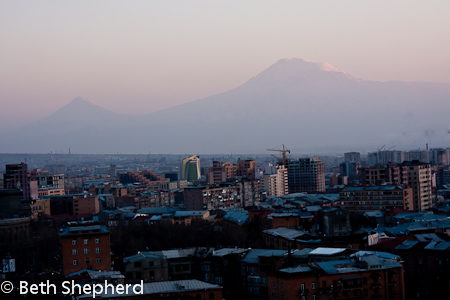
(296, 102)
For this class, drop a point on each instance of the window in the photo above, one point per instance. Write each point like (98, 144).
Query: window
(86, 251)
(211, 296)
(86, 241)
(97, 240)
(74, 251)
(313, 285)
(75, 262)
(282, 287)
(98, 250)
(274, 284)
(314, 297)
(99, 260)
(303, 287)
(74, 242)
(87, 261)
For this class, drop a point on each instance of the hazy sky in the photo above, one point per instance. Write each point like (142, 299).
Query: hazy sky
(137, 57)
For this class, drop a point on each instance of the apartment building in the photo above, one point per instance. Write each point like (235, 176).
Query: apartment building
(306, 175)
(359, 200)
(85, 245)
(275, 184)
(419, 178)
(364, 275)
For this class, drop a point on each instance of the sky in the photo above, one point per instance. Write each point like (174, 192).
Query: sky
(138, 57)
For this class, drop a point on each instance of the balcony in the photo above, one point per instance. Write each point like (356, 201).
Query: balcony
(349, 298)
(326, 290)
(351, 286)
(376, 285)
(303, 292)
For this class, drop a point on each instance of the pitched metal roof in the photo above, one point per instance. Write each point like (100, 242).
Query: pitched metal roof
(326, 251)
(407, 245)
(298, 269)
(252, 256)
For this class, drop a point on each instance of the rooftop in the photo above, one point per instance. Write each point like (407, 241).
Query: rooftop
(160, 288)
(226, 251)
(143, 256)
(298, 269)
(84, 230)
(326, 251)
(287, 233)
(252, 256)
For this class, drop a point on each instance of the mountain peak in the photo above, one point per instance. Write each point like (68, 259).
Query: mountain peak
(295, 72)
(306, 65)
(81, 101)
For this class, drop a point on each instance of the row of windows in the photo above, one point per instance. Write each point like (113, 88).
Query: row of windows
(302, 286)
(87, 261)
(343, 203)
(86, 251)
(86, 241)
(325, 297)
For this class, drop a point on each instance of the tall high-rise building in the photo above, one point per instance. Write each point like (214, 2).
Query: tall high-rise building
(378, 174)
(112, 170)
(352, 156)
(440, 156)
(220, 172)
(190, 168)
(350, 169)
(16, 177)
(419, 179)
(275, 184)
(306, 175)
(246, 168)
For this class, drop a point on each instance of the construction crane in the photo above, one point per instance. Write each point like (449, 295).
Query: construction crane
(284, 150)
(381, 148)
(391, 148)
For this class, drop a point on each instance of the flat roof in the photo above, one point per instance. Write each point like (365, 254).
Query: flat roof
(159, 288)
(326, 251)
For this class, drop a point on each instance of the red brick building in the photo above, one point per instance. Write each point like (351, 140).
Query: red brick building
(85, 245)
(366, 275)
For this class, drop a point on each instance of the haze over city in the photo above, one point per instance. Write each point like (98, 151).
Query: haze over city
(244, 150)
(141, 57)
